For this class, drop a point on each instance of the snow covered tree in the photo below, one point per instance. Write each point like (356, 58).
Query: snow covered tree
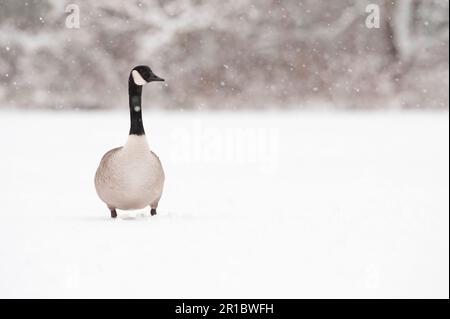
(226, 54)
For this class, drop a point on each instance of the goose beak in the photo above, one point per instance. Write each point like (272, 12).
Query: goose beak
(156, 78)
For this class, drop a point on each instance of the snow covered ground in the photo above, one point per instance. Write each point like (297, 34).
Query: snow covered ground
(261, 205)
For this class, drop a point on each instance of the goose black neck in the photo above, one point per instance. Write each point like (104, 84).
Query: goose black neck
(135, 96)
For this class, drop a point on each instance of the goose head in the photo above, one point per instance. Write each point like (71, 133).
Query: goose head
(142, 74)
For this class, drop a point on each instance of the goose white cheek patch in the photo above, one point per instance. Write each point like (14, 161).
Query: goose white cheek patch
(137, 78)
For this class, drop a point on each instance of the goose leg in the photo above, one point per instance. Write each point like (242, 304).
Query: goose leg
(113, 213)
(153, 211)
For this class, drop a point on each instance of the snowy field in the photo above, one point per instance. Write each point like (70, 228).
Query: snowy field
(256, 205)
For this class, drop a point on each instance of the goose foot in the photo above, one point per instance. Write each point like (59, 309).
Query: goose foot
(153, 212)
(113, 213)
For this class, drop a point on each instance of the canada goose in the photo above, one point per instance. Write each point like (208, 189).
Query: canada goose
(132, 177)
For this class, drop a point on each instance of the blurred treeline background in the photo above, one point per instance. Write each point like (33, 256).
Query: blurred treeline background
(219, 54)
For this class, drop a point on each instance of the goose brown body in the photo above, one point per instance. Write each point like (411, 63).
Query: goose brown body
(130, 177)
